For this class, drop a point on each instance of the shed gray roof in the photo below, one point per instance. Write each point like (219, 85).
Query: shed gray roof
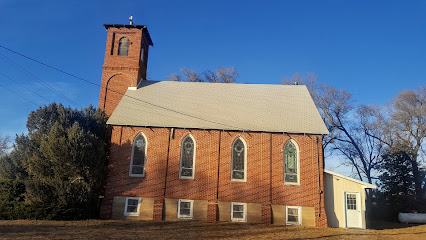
(230, 106)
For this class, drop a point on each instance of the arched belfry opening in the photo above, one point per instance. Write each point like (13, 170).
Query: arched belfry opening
(123, 47)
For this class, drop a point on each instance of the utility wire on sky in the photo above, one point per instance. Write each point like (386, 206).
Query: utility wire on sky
(22, 85)
(10, 90)
(41, 82)
(123, 94)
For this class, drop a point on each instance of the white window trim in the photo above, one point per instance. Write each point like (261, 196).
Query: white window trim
(191, 210)
(298, 163)
(299, 213)
(244, 213)
(193, 158)
(144, 161)
(137, 208)
(245, 160)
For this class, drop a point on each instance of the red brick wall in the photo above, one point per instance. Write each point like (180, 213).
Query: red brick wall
(305, 194)
(119, 183)
(204, 184)
(210, 145)
(256, 189)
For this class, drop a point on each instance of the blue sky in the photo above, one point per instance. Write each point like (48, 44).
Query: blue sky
(374, 49)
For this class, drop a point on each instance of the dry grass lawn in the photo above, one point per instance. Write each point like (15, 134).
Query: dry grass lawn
(97, 229)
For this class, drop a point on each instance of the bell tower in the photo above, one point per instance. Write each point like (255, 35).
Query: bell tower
(126, 61)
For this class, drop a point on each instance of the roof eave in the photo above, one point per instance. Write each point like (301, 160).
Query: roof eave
(241, 130)
(364, 184)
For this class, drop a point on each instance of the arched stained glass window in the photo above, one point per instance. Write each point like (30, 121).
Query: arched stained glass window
(291, 163)
(137, 164)
(187, 158)
(123, 47)
(239, 157)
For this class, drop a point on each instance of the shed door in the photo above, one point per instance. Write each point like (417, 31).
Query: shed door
(353, 210)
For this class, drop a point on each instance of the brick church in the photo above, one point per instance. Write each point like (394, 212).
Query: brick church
(207, 151)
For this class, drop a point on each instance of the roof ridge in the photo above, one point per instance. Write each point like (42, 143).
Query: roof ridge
(234, 83)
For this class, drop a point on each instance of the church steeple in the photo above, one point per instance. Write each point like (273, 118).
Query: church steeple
(126, 61)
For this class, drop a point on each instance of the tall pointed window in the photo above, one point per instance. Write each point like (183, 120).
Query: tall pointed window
(187, 158)
(239, 160)
(123, 47)
(291, 163)
(137, 162)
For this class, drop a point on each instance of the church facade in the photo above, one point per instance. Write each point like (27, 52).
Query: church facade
(207, 151)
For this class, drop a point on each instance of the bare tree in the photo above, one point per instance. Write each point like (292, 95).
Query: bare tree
(3, 144)
(406, 124)
(349, 125)
(174, 77)
(189, 75)
(220, 75)
(362, 143)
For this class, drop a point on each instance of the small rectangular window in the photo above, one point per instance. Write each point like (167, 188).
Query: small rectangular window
(293, 215)
(238, 212)
(185, 208)
(351, 201)
(132, 206)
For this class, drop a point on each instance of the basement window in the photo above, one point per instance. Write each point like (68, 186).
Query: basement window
(238, 212)
(293, 215)
(132, 206)
(185, 208)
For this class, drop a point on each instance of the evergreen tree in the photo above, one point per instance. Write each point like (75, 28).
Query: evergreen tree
(61, 161)
(397, 181)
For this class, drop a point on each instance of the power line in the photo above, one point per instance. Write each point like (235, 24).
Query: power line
(22, 85)
(41, 82)
(46, 65)
(124, 95)
(18, 94)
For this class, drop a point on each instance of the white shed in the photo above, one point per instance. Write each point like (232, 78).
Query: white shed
(344, 200)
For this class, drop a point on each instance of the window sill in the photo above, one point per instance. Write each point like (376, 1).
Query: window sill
(137, 175)
(131, 214)
(293, 223)
(238, 180)
(187, 178)
(238, 220)
(292, 184)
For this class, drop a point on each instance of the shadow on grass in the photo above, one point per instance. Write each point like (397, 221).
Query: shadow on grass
(98, 229)
(381, 225)
(143, 230)
(343, 236)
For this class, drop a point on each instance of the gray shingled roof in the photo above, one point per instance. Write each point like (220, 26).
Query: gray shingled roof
(230, 106)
